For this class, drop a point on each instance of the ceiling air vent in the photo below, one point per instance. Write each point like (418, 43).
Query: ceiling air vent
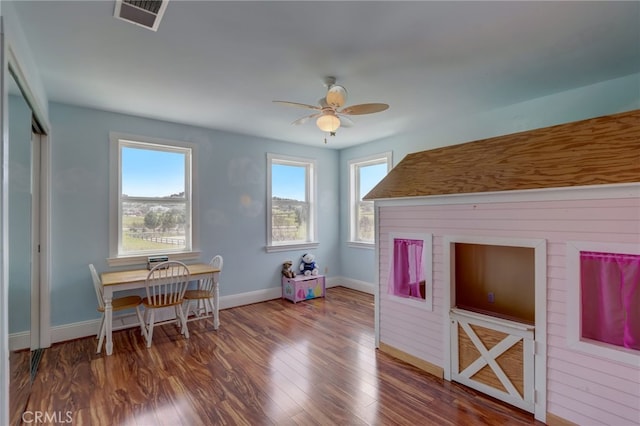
(145, 13)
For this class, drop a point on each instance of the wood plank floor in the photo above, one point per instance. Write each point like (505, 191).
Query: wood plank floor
(271, 363)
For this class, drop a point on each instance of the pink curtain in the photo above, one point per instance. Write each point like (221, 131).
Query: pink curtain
(407, 268)
(610, 285)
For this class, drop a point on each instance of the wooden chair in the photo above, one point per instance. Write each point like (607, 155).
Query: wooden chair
(205, 295)
(118, 305)
(165, 286)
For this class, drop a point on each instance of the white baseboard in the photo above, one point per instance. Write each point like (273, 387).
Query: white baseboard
(76, 330)
(81, 329)
(257, 296)
(362, 286)
(19, 341)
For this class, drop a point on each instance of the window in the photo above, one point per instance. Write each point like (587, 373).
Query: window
(291, 200)
(151, 198)
(410, 269)
(610, 299)
(364, 174)
(603, 315)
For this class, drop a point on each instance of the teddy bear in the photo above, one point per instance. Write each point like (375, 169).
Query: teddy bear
(287, 271)
(308, 265)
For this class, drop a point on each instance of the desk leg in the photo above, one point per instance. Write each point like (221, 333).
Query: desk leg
(216, 305)
(108, 316)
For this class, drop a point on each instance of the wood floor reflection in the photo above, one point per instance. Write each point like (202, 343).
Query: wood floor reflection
(312, 363)
(19, 383)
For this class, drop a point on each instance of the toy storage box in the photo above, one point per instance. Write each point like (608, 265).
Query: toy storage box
(303, 287)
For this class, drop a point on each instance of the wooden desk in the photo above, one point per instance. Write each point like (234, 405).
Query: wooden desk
(128, 280)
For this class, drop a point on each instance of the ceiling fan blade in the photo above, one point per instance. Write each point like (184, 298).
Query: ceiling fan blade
(345, 121)
(364, 109)
(305, 119)
(296, 104)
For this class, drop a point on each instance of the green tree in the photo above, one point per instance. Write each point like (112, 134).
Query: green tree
(151, 220)
(179, 216)
(168, 220)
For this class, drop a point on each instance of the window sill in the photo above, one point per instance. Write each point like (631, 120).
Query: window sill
(360, 244)
(605, 351)
(426, 304)
(291, 247)
(142, 260)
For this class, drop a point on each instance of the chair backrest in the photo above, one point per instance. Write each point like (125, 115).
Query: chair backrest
(97, 285)
(167, 282)
(207, 283)
(216, 262)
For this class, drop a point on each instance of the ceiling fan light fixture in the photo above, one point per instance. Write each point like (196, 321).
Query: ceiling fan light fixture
(328, 123)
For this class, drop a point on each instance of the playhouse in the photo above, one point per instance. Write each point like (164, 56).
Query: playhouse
(496, 259)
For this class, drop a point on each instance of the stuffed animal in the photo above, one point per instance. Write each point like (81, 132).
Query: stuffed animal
(308, 265)
(287, 271)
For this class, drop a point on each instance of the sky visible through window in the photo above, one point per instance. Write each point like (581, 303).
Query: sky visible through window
(288, 182)
(151, 173)
(370, 176)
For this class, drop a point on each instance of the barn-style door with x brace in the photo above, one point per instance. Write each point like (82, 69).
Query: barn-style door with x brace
(494, 356)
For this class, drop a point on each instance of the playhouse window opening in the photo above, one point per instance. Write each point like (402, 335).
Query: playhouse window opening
(610, 298)
(495, 280)
(408, 278)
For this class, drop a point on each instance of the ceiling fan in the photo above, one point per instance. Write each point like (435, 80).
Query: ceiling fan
(330, 115)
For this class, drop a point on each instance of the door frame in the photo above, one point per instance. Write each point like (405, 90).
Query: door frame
(40, 311)
(540, 280)
(8, 59)
(35, 241)
(40, 286)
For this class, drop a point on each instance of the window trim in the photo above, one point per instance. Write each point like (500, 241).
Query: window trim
(574, 337)
(354, 190)
(115, 171)
(310, 165)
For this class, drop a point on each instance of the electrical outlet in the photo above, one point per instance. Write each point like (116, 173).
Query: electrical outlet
(490, 297)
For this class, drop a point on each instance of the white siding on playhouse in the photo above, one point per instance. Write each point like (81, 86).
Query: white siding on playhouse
(581, 388)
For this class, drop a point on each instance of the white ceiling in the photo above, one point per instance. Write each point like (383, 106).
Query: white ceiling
(220, 64)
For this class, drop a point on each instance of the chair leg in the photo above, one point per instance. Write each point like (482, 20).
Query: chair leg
(102, 333)
(187, 305)
(150, 327)
(143, 327)
(180, 313)
(208, 305)
(100, 327)
(212, 306)
(178, 319)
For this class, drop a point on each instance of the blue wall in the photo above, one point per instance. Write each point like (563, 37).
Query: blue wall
(608, 97)
(231, 170)
(17, 42)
